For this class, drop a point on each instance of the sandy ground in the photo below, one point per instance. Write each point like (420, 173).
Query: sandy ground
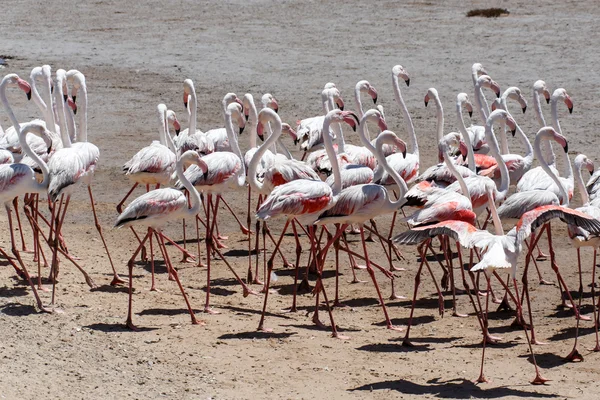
(135, 56)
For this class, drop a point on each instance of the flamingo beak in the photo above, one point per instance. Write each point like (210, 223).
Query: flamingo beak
(351, 119)
(74, 98)
(566, 147)
(494, 106)
(407, 82)
(275, 105)
(51, 89)
(177, 127)
(401, 144)
(382, 124)
(65, 97)
(246, 115)
(426, 99)
(185, 99)
(340, 103)
(24, 85)
(569, 104)
(49, 148)
(373, 94)
(547, 96)
(524, 109)
(259, 131)
(470, 114)
(72, 104)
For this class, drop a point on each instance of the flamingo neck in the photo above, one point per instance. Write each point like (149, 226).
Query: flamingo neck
(42, 186)
(400, 183)
(82, 134)
(194, 195)
(359, 109)
(440, 118)
(527, 144)
(412, 136)
(481, 102)
(568, 170)
(494, 149)
(538, 153)
(7, 106)
(252, 121)
(362, 127)
(537, 106)
(337, 177)
(193, 108)
(498, 229)
(463, 130)
(463, 186)
(235, 147)
(502, 132)
(585, 197)
(60, 109)
(337, 128)
(162, 124)
(37, 98)
(170, 144)
(253, 166)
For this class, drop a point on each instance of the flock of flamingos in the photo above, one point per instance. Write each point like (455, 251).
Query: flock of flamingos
(335, 189)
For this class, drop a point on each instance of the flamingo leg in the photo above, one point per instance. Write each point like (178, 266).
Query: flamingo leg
(120, 205)
(153, 284)
(597, 347)
(296, 267)
(406, 342)
(176, 276)
(447, 250)
(261, 323)
(482, 378)
(16, 204)
(575, 355)
(242, 227)
(200, 263)
(209, 245)
(257, 245)
(129, 323)
(248, 222)
(116, 279)
(539, 379)
(374, 279)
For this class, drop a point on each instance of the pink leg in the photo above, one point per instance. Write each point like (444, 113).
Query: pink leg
(16, 204)
(120, 205)
(129, 323)
(242, 227)
(597, 347)
(575, 355)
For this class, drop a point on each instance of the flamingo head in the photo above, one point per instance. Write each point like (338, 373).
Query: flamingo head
(339, 101)
(561, 94)
(462, 100)
(582, 161)
(287, 129)
(172, 119)
(478, 69)
(71, 103)
(265, 116)
(432, 93)
(540, 88)
(389, 137)
(236, 111)
(192, 157)
(365, 86)
(350, 118)
(268, 100)
(24, 86)
(488, 82)
(400, 72)
(514, 93)
(375, 116)
(188, 89)
(512, 125)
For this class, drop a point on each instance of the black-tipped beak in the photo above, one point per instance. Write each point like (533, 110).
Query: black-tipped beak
(205, 175)
(296, 141)
(341, 108)
(74, 99)
(185, 103)
(524, 109)
(241, 130)
(547, 101)
(247, 116)
(470, 114)
(29, 95)
(52, 89)
(404, 154)
(65, 97)
(354, 128)
(498, 94)
(276, 109)
(513, 131)
(571, 110)
(49, 148)
(426, 102)
(407, 82)
(262, 138)
(566, 148)
(177, 132)
(375, 100)
(75, 111)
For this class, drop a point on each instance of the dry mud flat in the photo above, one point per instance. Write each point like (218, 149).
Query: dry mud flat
(137, 55)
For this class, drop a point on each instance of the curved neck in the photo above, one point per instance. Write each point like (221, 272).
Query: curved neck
(193, 105)
(402, 187)
(359, 107)
(481, 102)
(440, 118)
(337, 177)
(253, 166)
(537, 106)
(235, 147)
(502, 132)
(412, 137)
(60, 109)
(527, 144)
(362, 127)
(457, 175)
(49, 114)
(162, 125)
(546, 168)
(37, 98)
(82, 134)
(43, 166)
(194, 195)
(463, 130)
(8, 108)
(568, 170)
(337, 128)
(494, 149)
(585, 197)
(253, 122)
(170, 144)
(283, 150)
(498, 229)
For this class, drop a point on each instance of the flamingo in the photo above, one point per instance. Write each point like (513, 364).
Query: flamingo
(192, 138)
(582, 238)
(88, 152)
(19, 179)
(359, 203)
(218, 137)
(502, 251)
(153, 210)
(481, 80)
(303, 200)
(226, 171)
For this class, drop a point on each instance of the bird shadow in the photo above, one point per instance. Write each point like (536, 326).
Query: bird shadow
(103, 327)
(257, 335)
(451, 389)
(569, 333)
(248, 311)
(420, 320)
(110, 289)
(167, 311)
(428, 339)
(312, 327)
(13, 291)
(546, 360)
(18, 310)
(479, 345)
(394, 348)
(218, 291)
(237, 253)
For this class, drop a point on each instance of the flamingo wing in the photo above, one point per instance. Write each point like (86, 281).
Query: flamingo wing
(151, 159)
(458, 230)
(156, 203)
(521, 202)
(296, 198)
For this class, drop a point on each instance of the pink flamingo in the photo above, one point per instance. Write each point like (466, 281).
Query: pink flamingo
(153, 210)
(303, 200)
